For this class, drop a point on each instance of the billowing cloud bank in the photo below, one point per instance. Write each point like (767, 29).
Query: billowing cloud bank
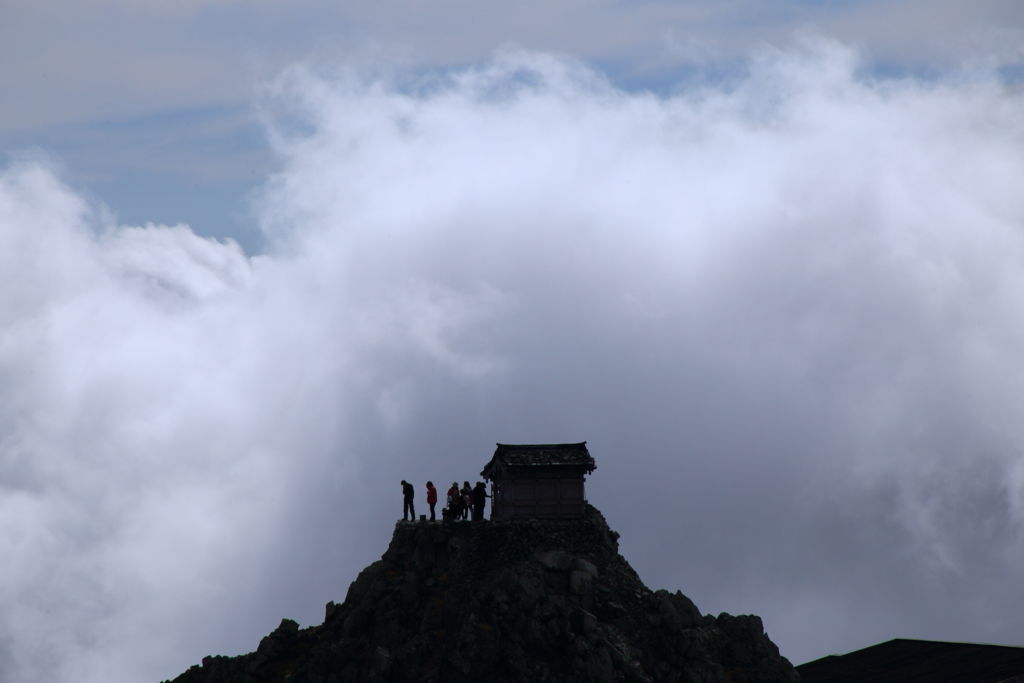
(785, 311)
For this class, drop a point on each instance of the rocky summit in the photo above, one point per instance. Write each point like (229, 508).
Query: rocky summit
(516, 601)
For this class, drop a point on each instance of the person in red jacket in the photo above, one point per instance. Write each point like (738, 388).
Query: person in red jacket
(431, 498)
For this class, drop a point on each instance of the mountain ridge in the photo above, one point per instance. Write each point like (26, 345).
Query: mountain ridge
(512, 601)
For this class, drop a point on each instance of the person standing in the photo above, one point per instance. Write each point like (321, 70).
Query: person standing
(467, 499)
(454, 502)
(408, 509)
(479, 498)
(431, 498)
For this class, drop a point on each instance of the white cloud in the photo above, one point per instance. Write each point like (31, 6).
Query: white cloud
(784, 311)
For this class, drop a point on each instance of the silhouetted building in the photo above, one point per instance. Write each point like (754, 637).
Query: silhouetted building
(919, 661)
(538, 481)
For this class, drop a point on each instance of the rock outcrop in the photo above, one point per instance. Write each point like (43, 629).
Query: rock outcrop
(508, 602)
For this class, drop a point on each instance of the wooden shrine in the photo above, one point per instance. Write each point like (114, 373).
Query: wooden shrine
(538, 481)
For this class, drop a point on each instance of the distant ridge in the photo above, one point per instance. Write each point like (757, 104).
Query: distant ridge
(507, 602)
(901, 660)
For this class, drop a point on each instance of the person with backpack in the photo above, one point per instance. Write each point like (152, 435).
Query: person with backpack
(431, 498)
(408, 509)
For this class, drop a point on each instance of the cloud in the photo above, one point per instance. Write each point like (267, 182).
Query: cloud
(784, 310)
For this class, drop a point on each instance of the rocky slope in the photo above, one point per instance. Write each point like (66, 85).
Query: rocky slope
(507, 602)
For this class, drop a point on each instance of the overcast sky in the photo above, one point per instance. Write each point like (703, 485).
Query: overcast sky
(259, 264)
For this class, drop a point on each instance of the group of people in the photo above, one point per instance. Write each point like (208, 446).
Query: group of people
(462, 503)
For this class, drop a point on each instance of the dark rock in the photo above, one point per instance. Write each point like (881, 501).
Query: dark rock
(580, 583)
(583, 622)
(581, 565)
(555, 559)
(508, 602)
